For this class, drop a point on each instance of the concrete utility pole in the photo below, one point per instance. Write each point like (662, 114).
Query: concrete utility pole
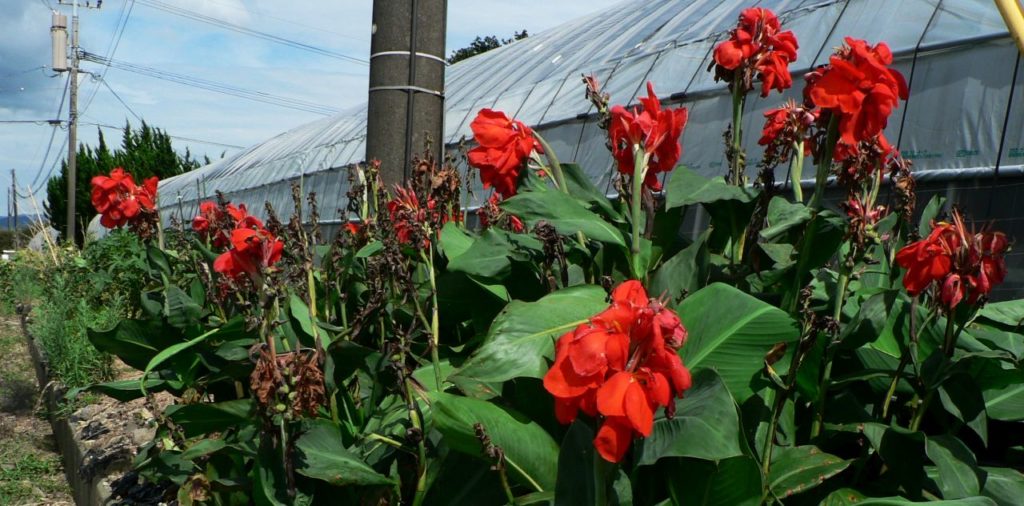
(406, 103)
(72, 109)
(73, 125)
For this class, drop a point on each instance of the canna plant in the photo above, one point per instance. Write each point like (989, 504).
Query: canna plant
(571, 348)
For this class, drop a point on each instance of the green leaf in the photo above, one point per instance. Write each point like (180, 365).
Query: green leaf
(577, 482)
(783, 216)
(801, 468)
(521, 339)
(705, 426)
(581, 187)
(958, 468)
(169, 352)
(683, 273)
(736, 482)
(182, 311)
(202, 448)
(122, 390)
(931, 210)
(322, 455)
(1010, 312)
(567, 215)
(962, 398)
(270, 483)
(731, 332)
(487, 257)
(531, 453)
(370, 249)
(1003, 390)
(999, 336)
(206, 417)
(454, 240)
(300, 311)
(849, 496)
(158, 259)
(135, 342)
(686, 187)
(1005, 486)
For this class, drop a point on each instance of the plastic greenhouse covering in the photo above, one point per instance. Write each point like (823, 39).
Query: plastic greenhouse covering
(963, 119)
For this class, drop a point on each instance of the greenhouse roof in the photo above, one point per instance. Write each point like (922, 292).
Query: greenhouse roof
(957, 56)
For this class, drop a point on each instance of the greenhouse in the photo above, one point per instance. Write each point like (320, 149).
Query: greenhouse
(718, 253)
(958, 57)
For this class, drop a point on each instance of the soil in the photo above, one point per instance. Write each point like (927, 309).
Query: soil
(31, 472)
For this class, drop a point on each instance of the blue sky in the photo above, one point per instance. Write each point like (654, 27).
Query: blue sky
(157, 39)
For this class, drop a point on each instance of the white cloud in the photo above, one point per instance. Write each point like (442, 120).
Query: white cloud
(156, 39)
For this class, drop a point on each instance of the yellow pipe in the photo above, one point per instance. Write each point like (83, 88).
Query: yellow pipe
(1013, 16)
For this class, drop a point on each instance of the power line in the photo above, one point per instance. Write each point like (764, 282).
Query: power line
(188, 139)
(258, 96)
(290, 22)
(36, 121)
(118, 97)
(155, 4)
(53, 133)
(115, 42)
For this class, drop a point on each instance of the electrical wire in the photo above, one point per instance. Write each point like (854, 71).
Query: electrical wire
(178, 137)
(185, 13)
(115, 42)
(53, 133)
(119, 99)
(263, 14)
(258, 96)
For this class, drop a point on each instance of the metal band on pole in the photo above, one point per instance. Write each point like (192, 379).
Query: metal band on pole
(407, 53)
(408, 88)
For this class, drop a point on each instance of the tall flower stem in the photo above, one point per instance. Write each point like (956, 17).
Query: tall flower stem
(639, 172)
(556, 168)
(796, 169)
(780, 402)
(947, 348)
(556, 165)
(736, 158)
(826, 376)
(825, 163)
(821, 178)
(417, 423)
(428, 258)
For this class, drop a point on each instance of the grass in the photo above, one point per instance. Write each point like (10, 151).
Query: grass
(59, 325)
(30, 470)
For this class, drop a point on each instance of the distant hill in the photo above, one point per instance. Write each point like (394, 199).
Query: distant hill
(24, 220)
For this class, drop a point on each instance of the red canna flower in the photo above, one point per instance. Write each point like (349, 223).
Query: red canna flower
(214, 223)
(491, 215)
(654, 129)
(859, 87)
(412, 221)
(504, 147)
(201, 223)
(965, 265)
(927, 260)
(621, 365)
(407, 217)
(784, 127)
(119, 201)
(253, 250)
(756, 47)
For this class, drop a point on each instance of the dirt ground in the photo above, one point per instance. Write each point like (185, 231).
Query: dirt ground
(30, 468)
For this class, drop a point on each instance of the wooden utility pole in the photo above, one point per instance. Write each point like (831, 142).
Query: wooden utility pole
(406, 95)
